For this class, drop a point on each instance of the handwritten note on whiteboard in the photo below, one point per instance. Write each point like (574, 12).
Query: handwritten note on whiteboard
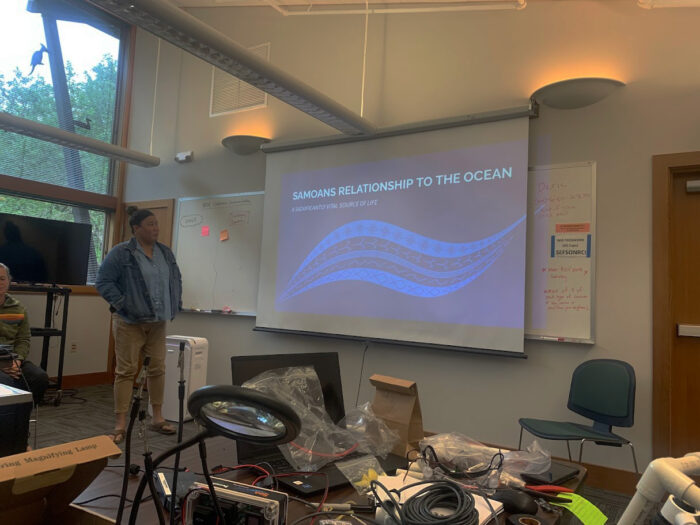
(561, 253)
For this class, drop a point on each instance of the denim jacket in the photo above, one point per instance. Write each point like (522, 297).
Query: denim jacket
(121, 283)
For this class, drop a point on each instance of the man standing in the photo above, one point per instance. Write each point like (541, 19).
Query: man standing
(142, 283)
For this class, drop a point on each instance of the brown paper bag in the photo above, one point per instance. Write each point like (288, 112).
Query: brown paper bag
(396, 402)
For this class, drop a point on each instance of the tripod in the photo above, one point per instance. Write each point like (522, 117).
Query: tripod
(180, 424)
(135, 409)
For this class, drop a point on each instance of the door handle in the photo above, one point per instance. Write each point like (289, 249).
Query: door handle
(692, 186)
(689, 330)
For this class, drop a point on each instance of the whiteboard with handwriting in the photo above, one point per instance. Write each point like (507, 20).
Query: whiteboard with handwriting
(561, 253)
(217, 247)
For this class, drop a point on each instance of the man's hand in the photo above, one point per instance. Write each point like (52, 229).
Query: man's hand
(12, 368)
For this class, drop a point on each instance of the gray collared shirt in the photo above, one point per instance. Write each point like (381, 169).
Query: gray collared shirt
(156, 273)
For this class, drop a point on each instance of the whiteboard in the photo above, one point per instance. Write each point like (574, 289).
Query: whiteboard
(217, 246)
(560, 281)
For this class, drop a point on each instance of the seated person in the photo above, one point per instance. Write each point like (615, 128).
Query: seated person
(17, 371)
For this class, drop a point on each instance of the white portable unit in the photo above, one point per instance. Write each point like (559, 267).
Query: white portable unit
(195, 367)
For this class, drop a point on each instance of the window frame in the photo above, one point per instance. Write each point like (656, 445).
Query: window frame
(110, 202)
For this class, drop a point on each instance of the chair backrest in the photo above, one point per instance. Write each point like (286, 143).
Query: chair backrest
(603, 390)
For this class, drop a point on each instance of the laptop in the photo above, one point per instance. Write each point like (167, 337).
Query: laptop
(557, 474)
(327, 368)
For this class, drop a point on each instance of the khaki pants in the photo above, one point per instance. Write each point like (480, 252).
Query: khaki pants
(130, 342)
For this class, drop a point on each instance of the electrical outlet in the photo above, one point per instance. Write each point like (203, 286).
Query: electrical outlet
(74, 347)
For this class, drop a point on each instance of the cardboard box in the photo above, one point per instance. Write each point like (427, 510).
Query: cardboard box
(396, 402)
(38, 487)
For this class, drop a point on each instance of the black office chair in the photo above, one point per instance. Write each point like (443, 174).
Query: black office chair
(602, 390)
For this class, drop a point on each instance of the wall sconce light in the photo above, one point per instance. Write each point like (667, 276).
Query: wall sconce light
(576, 92)
(651, 4)
(244, 144)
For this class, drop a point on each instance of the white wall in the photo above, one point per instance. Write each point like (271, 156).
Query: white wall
(441, 65)
(87, 330)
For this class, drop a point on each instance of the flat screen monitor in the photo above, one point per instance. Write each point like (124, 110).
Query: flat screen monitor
(44, 250)
(327, 369)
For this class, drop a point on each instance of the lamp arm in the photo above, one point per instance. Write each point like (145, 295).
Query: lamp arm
(165, 455)
(210, 484)
(662, 476)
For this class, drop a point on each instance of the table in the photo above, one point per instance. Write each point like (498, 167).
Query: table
(10, 395)
(221, 451)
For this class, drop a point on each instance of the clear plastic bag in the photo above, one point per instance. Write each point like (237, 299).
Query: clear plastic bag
(361, 471)
(320, 441)
(465, 454)
(372, 433)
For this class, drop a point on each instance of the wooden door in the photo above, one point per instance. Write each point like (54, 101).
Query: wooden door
(164, 212)
(676, 245)
(684, 272)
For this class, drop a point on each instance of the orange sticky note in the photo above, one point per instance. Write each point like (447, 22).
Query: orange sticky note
(205, 231)
(223, 235)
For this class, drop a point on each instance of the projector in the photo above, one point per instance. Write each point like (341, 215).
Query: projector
(184, 156)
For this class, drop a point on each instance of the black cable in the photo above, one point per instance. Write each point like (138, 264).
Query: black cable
(434, 462)
(307, 503)
(333, 513)
(353, 507)
(100, 497)
(362, 371)
(106, 496)
(488, 502)
(68, 392)
(419, 508)
(271, 470)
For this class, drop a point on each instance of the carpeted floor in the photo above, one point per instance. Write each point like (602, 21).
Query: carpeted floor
(89, 412)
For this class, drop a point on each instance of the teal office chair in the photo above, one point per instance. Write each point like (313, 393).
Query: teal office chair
(602, 390)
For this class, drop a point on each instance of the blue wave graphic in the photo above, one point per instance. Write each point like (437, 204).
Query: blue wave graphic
(387, 255)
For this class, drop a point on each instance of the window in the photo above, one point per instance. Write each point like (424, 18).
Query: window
(60, 64)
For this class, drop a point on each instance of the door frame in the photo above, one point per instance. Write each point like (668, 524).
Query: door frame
(664, 168)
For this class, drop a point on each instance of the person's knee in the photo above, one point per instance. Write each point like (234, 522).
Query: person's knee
(127, 372)
(156, 368)
(37, 377)
(40, 382)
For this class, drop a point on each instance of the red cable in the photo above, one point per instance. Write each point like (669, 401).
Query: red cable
(339, 455)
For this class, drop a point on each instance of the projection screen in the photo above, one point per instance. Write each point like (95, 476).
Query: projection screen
(416, 238)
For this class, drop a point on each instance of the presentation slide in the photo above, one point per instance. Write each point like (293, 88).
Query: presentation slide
(433, 240)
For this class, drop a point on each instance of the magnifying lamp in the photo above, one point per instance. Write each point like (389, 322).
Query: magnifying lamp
(233, 412)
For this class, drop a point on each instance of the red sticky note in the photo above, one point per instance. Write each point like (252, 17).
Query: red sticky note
(223, 235)
(205, 231)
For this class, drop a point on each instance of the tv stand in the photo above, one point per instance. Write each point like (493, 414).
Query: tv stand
(47, 331)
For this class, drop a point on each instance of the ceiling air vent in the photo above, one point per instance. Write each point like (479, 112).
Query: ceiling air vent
(229, 94)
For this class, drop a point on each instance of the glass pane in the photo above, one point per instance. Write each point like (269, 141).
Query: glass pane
(58, 66)
(63, 212)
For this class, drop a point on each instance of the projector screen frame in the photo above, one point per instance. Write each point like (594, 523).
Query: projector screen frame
(531, 111)
(416, 344)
